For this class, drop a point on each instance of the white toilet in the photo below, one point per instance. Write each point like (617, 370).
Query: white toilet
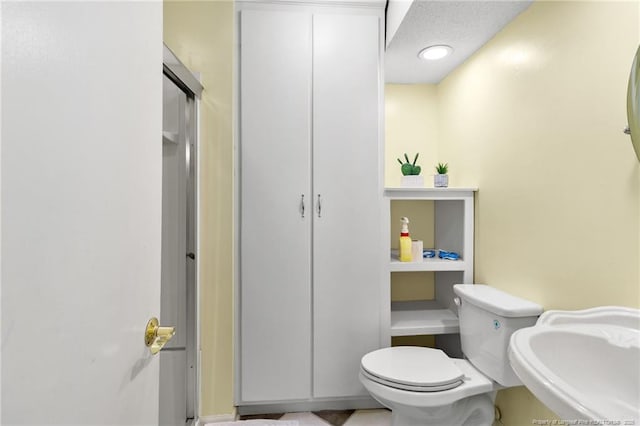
(423, 386)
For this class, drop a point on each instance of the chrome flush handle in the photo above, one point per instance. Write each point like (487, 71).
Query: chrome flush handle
(302, 205)
(319, 206)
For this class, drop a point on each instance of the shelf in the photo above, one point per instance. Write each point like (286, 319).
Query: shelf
(422, 318)
(429, 193)
(432, 264)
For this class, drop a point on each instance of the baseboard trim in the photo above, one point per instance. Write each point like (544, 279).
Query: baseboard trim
(216, 418)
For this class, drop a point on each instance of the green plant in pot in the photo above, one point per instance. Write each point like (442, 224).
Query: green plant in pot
(441, 179)
(411, 171)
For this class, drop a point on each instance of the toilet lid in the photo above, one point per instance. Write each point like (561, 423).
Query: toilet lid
(412, 366)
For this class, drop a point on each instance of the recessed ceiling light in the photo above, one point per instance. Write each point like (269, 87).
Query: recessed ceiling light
(433, 53)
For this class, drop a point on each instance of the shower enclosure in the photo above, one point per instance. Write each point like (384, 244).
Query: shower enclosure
(178, 360)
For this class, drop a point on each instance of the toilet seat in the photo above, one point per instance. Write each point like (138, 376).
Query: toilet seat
(406, 387)
(412, 368)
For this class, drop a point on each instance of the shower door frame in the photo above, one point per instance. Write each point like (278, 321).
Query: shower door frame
(186, 81)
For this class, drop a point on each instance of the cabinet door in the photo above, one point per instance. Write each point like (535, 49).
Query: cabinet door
(275, 235)
(347, 226)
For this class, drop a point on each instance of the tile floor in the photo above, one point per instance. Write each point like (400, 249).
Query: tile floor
(379, 417)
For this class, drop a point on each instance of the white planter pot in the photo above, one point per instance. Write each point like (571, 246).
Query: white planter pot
(413, 181)
(440, 181)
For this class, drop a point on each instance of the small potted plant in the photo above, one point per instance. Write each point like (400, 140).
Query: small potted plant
(441, 179)
(410, 172)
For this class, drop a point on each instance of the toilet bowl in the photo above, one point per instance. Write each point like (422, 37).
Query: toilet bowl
(446, 391)
(423, 386)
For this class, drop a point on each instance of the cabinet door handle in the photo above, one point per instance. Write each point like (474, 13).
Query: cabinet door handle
(302, 205)
(319, 206)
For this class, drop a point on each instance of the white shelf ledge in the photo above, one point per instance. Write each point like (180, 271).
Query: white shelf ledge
(422, 318)
(429, 193)
(426, 264)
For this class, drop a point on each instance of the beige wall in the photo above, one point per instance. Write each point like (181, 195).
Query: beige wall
(411, 125)
(534, 119)
(200, 33)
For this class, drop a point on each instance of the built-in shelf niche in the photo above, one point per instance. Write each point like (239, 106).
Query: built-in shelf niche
(451, 220)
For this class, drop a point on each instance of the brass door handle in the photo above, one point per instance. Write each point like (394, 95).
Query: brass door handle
(155, 337)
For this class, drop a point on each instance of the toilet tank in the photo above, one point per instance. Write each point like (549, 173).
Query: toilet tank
(488, 317)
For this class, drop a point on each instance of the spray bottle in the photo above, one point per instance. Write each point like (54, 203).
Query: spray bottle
(405, 241)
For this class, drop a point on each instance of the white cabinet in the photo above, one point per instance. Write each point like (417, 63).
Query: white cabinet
(275, 153)
(347, 237)
(310, 201)
(453, 231)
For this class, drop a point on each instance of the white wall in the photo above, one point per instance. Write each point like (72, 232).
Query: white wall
(396, 11)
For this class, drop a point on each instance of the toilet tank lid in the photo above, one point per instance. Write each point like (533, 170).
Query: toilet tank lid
(496, 301)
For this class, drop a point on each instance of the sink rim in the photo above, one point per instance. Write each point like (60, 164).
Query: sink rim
(559, 395)
(602, 315)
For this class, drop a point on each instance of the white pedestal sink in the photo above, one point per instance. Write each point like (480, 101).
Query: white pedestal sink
(584, 365)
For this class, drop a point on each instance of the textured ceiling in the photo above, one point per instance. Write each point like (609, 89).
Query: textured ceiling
(463, 25)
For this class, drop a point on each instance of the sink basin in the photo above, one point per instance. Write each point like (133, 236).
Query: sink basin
(583, 364)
